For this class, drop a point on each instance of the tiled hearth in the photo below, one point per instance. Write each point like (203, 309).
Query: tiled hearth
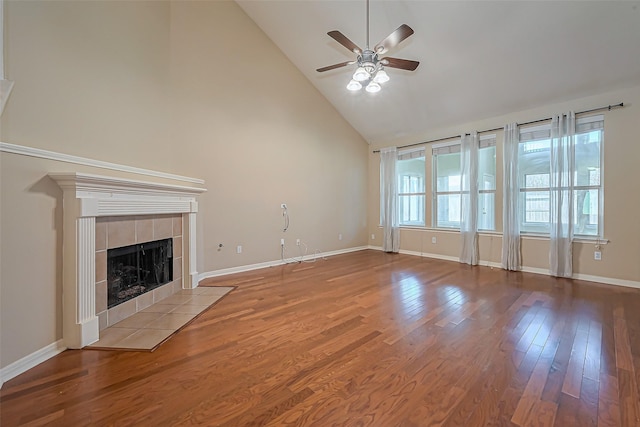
(141, 210)
(115, 232)
(153, 325)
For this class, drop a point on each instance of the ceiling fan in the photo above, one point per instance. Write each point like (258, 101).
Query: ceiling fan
(370, 70)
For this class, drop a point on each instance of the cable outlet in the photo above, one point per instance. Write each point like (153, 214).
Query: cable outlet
(297, 242)
(283, 206)
(281, 242)
(597, 255)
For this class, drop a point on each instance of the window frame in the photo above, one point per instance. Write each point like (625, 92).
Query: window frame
(583, 126)
(453, 147)
(412, 154)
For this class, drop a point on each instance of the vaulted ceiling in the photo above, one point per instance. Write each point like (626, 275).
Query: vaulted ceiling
(478, 59)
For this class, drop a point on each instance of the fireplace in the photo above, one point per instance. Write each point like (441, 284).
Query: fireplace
(102, 213)
(137, 269)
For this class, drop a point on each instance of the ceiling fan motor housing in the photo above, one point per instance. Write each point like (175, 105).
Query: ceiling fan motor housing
(368, 60)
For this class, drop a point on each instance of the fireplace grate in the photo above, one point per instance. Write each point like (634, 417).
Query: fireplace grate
(136, 269)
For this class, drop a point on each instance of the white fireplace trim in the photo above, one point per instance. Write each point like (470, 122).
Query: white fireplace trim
(87, 196)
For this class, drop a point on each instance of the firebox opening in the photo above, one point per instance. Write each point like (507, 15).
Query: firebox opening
(137, 269)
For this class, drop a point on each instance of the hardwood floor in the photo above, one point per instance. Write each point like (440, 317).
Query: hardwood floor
(364, 339)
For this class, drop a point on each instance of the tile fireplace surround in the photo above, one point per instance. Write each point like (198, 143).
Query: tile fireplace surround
(87, 197)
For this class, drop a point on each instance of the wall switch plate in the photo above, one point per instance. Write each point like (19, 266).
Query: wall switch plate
(597, 255)
(434, 240)
(239, 249)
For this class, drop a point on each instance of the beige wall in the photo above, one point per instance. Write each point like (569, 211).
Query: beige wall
(190, 88)
(620, 257)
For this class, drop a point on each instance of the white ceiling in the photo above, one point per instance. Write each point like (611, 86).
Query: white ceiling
(478, 59)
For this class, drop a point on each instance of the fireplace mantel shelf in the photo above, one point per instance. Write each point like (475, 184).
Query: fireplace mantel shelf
(105, 185)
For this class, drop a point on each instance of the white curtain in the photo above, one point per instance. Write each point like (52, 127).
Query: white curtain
(389, 200)
(469, 198)
(511, 257)
(563, 129)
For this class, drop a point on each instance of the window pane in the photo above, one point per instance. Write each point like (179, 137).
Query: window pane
(586, 212)
(487, 168)
(410, 181)
(536, 207)
(486, 211)
(448, 214)
(411, 210)
(588, 158)
(536, 180)
(448, 172)
(534, 164)
(411, 175)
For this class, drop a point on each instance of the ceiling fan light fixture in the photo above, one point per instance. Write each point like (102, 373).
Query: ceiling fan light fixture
(360, 75)
(381, 76)
(373, 87)
(354, 85)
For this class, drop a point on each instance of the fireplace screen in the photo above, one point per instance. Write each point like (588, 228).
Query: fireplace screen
(136, 269)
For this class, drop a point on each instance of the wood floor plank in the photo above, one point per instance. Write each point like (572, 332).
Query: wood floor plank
(363, 339)
(575, 369)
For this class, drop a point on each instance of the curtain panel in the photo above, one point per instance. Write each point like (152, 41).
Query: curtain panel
(563, 130)
(389, 200)
(511, 255)
(469, 198)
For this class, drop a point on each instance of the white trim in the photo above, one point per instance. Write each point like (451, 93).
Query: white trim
(457, 140)
(251, 267)
(608, 280)
(67, 158)
(31, 361)
(525, 269)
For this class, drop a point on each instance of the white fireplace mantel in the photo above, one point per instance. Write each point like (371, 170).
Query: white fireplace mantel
(86, 197)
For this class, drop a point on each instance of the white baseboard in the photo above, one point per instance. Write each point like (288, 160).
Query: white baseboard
(30, 361)
(250, 267)
(526, 269)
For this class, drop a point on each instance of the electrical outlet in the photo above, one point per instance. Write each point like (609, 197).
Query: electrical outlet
(373, 237)
(340, 236)
(239, 249)
(597, 255)
(281, 242)
(297, 242)
(434, 240)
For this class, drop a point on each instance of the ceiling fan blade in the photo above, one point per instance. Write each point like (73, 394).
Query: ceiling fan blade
(334, 66)
(344, 41)
(404, 64)
(393, 39)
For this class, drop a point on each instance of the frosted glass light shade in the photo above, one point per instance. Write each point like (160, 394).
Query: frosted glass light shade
(354, 85)
(381, 77)
(373, 87)
(360, 75)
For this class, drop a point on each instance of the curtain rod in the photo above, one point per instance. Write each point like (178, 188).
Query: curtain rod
(608, 107)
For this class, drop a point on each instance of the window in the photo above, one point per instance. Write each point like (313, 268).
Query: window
(534, 172)
(447, 185)
(410, 170)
